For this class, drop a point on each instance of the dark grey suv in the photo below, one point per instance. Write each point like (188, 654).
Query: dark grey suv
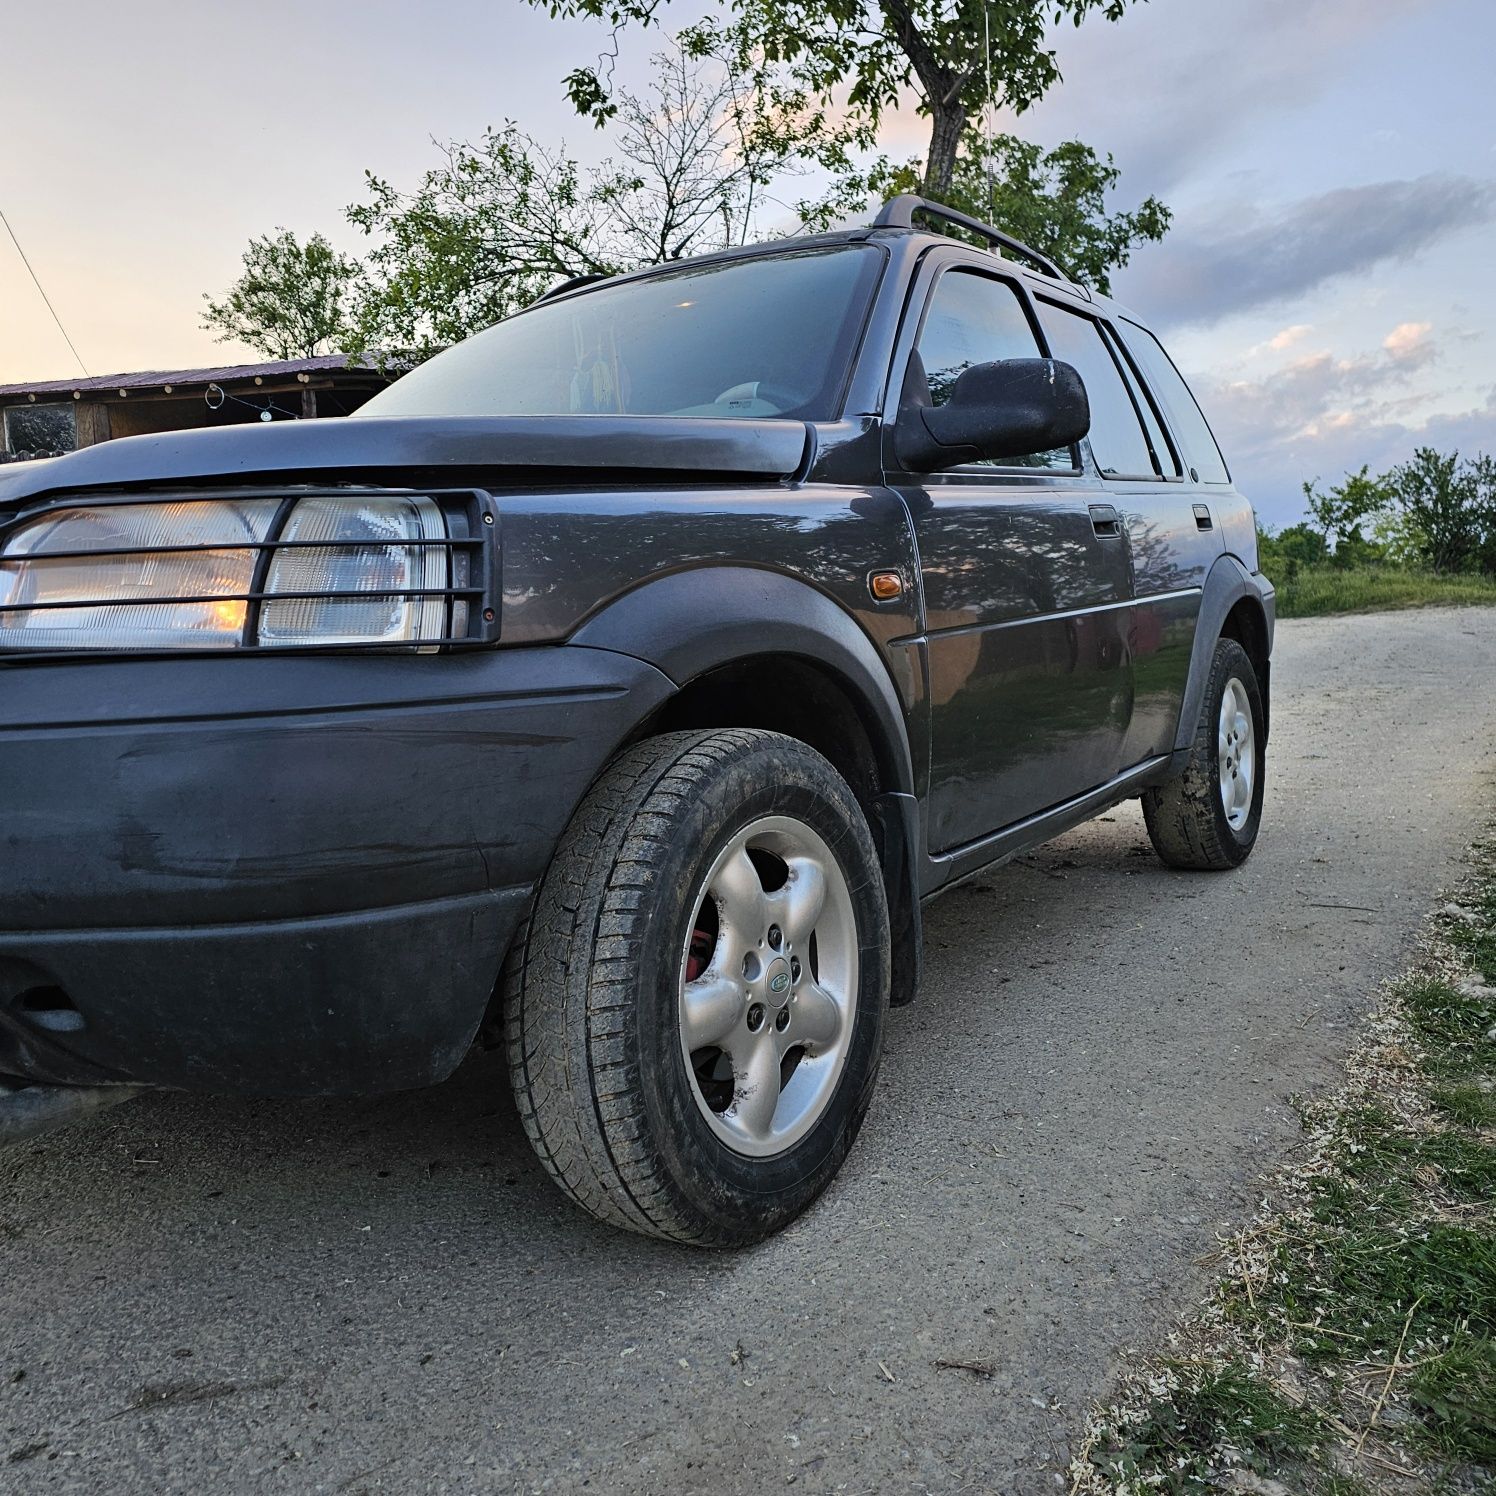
(616, 686)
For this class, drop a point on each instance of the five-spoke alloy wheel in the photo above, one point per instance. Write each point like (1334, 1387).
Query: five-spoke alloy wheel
(694, 1013)
(769, 986)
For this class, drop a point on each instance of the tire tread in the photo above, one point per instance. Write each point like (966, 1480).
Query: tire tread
(565, 1026)
(1185, 822)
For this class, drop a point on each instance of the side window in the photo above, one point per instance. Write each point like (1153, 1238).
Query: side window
(1180, 408)
(1165, 458)
(973, 319)
(1117, 439)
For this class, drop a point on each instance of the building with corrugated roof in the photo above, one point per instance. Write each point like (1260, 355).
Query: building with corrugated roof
(54, 416)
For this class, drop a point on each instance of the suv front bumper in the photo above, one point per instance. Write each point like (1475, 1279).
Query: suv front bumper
(290, 876)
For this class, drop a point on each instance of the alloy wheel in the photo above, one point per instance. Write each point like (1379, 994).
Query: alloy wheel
(1236, 753)
(768, 986)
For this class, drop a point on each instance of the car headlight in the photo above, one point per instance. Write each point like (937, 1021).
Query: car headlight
(273, 572)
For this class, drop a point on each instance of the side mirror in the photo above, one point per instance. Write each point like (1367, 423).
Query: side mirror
(1004, 409)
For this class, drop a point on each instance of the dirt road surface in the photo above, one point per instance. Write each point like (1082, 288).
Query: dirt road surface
(223, 1296)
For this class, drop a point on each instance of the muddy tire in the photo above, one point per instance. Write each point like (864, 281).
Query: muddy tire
(1209, 816)
(694, 1012)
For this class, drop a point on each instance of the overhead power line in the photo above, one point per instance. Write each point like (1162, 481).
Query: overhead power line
(37, 283)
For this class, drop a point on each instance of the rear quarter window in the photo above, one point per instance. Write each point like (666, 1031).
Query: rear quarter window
(1181, 409)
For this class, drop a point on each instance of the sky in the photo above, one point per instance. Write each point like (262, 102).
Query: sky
(1327, 284)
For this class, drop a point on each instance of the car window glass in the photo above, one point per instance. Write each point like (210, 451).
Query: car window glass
(973, 319)
(1117, 440)
(1179, 406)
(1164, 458)
(763, 335)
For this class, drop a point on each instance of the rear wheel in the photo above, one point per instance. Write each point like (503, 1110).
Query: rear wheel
(1209, 816)
(694, 1015)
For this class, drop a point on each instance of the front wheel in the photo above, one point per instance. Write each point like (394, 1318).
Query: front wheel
(694, 1014)
(1209, 816)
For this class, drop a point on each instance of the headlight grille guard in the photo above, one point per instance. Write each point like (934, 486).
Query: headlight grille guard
(470, 542)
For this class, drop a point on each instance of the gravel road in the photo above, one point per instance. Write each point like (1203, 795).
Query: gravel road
(387, 1296)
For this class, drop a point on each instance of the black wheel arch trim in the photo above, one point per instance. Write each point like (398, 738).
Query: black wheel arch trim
(1228, 583)
(689, 623)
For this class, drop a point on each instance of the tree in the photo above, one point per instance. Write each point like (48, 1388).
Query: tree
(956, 56)
(1054, 200)
(1340, 512)
(1451, 505)
(1483, 480)
(292, 300)
(1283, 554)
(501, 219)
(1399, 540)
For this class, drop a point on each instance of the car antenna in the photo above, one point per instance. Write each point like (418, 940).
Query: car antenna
(988, 121)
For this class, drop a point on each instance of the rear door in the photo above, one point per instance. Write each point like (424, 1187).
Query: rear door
(1026, 589)
(1173, 539)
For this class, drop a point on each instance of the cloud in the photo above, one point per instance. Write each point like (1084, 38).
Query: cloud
(1319, 391)
(1321, 415)
(1209, 74)
(1174, 81)
(1271, 478)
(1409, 344)
(1281, 342)
(1236, 258)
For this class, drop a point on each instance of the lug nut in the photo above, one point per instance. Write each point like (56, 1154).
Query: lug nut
(795, 967)
(755, 1017)
(782, 1019)
(776, 936)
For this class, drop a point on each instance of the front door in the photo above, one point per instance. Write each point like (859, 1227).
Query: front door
(1027, 596)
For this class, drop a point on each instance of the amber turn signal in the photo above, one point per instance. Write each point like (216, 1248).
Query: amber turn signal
(885, 585)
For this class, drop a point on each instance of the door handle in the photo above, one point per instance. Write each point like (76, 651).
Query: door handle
(1105, 522)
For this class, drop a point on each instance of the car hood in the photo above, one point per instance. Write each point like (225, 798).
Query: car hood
(518, 448)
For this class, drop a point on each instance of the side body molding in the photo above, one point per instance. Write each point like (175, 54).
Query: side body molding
(1226, 585)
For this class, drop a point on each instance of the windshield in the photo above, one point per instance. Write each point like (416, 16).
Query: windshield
(767, 335)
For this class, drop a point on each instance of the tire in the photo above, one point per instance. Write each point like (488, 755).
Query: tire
(689, 858)
(1209, 816)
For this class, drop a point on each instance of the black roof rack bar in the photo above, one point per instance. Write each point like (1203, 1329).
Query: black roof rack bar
(574, 284)
(898, 213)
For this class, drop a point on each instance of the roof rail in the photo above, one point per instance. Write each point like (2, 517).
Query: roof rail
(898, 213)
(574, 284)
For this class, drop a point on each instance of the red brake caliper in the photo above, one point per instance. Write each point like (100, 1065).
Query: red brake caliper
(700, 954)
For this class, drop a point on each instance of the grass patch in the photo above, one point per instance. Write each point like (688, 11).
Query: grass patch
(1455, 1394)
(1353, 1330)
(1225, 1419)
(1469, 1105)
(1314, 592)
(1472, 931)
(1392, 1160)
(1466, 1165)
(1358, 1288)
(1455, 1026)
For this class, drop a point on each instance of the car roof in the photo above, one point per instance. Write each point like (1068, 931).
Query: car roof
(917, 240)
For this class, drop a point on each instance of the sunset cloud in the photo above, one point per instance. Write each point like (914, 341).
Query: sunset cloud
(1408, 343)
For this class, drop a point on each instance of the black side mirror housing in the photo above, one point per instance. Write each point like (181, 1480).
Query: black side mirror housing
(1005, 409)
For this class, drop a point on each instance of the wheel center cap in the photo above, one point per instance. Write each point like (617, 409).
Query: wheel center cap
(777, 983)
